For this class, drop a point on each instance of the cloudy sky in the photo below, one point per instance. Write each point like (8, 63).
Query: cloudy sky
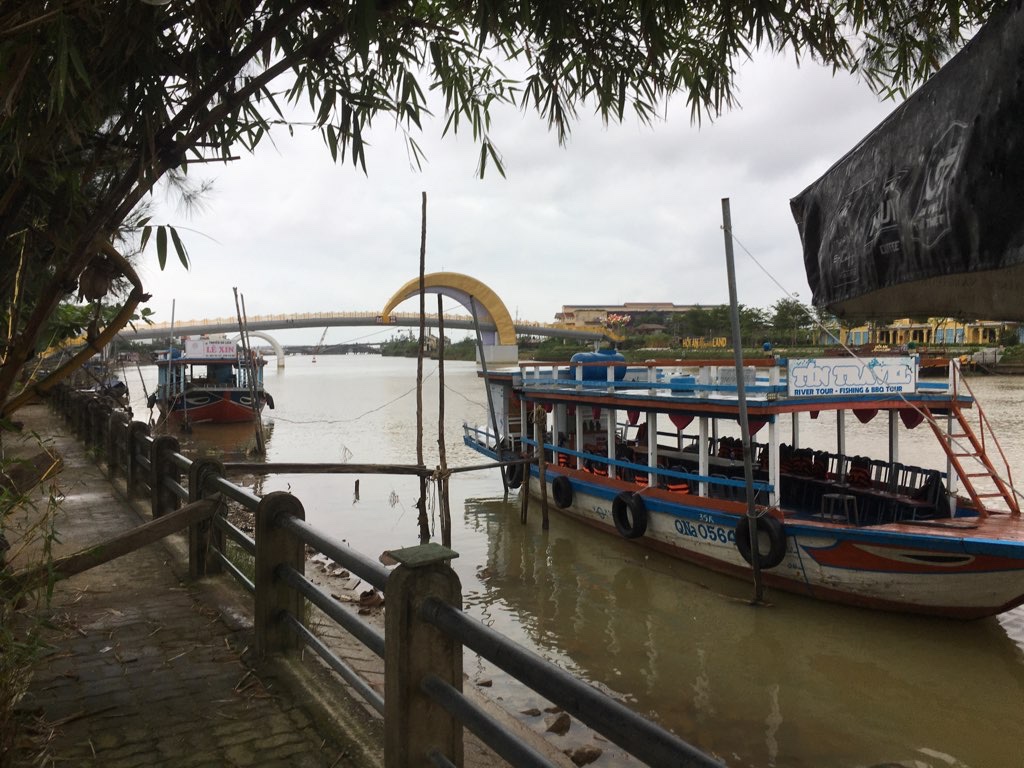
(621, 213)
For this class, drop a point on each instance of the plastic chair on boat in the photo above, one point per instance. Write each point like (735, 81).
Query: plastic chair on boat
(839, 507)
(717, 490)
(922, 503)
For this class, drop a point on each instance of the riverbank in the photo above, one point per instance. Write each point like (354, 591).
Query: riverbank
(144, 667)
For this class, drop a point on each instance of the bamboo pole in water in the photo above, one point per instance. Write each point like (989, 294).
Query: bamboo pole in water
(446, 512)
(741, 397)
(310, 468)
(250, 371)
(421, 503)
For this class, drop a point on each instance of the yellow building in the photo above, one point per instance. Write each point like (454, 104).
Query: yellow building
(935, 331)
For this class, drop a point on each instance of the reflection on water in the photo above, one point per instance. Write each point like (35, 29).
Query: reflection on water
(226, 442)
(796, 684)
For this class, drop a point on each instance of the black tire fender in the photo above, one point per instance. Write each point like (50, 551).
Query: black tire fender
(514, 476)
(561, 491)
(630, 515)
(772, 528)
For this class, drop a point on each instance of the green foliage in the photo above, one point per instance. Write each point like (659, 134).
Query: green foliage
(792, 319)
(27, 526)
(103, 99)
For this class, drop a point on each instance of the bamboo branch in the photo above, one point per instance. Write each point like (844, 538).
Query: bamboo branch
(136, 297)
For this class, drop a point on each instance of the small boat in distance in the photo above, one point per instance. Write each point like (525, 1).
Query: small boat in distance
(643, 452)
(210, 382)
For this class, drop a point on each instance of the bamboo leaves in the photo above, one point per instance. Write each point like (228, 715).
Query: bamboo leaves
(162, 232)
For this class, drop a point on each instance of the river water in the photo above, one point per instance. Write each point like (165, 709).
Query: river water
(794, 684)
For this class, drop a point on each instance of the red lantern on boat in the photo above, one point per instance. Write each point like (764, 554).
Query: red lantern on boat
(864, 415)
(681, 420)
(911, 417)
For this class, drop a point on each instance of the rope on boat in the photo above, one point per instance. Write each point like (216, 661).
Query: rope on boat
(815, 321)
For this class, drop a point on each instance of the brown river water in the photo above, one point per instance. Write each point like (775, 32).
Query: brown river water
(796, 683)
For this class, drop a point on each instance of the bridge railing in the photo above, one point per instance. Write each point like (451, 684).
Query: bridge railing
(425, 631)
(284, 319)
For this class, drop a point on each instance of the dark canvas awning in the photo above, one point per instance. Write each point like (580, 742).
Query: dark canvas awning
(925, 216)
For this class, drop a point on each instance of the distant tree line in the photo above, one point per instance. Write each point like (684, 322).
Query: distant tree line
(787, 321)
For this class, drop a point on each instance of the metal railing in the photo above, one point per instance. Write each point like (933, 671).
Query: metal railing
(426, 630)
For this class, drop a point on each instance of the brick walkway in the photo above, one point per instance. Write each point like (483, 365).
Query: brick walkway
(142, 670)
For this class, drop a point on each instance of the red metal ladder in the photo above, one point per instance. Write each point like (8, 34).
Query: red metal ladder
(974, 448)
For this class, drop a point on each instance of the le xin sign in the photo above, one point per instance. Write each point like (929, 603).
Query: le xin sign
(205, 348)
(850, 376)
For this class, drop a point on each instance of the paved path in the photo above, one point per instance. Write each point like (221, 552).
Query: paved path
(147, 668)
(142, 669)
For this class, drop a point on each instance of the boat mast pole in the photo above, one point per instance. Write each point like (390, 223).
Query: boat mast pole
(169, 389)
(741, 397)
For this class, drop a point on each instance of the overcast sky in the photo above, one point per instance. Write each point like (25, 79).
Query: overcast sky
(621, 213)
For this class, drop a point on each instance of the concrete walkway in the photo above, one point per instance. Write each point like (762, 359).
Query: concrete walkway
(144, 668)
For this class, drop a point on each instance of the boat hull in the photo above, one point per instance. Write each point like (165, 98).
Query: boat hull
(895, 567)
(214, 406)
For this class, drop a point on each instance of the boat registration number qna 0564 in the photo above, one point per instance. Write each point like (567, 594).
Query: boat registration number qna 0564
(706, 532)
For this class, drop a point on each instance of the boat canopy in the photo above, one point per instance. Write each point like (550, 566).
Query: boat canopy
(922, 217)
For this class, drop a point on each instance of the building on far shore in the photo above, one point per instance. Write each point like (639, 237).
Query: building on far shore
(933, 331)
(596, 315)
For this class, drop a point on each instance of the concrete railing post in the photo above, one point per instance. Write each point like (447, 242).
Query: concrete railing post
(117, 422)
(415, 725)
(92, 406)
(204, 535)
(161, 498)
(78, 414)
(137, 430)
(101, 426)
(275, 547)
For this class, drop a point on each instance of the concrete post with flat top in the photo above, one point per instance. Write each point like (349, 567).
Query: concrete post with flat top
(416, 726)
(161, 498)
(204, 536)
(137, 432)
(276, 548)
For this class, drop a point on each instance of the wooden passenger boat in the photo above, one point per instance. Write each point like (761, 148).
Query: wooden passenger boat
(645, 452)
(210, 382)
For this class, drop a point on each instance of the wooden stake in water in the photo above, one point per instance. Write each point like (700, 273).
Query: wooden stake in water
(741, 397)
(446, 511)
(421, 503)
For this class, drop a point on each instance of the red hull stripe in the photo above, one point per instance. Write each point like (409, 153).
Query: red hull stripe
(877, 558)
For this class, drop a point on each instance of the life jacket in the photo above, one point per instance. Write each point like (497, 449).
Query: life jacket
(677, 485)
(859, 476)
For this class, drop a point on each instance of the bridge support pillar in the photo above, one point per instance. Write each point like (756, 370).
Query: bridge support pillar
(502, 354)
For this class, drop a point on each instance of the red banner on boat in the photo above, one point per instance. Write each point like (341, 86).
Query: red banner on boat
(922, 217)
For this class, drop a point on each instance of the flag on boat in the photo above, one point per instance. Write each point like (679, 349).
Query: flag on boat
(924, 216)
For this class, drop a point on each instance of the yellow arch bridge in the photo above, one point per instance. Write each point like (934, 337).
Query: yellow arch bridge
(488, 314)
